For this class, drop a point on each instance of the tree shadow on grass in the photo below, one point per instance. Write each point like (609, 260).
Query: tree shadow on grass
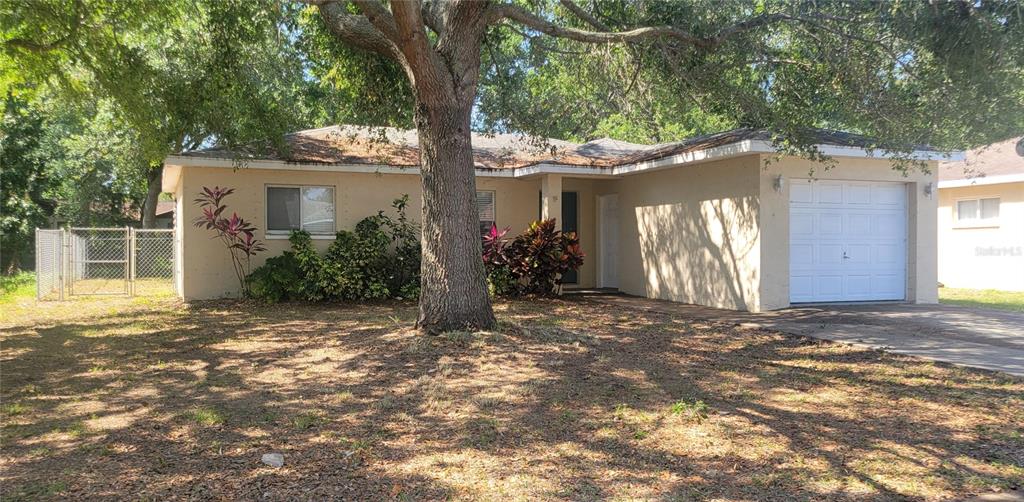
(569, 400)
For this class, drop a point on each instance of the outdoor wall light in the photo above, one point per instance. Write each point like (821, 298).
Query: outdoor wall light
(929, 188)
(777, 183)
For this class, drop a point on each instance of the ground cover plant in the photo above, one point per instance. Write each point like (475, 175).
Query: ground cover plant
(567, 400)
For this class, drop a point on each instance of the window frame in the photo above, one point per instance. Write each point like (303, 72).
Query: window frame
(284, 234)
(978, 221)
(494, 202)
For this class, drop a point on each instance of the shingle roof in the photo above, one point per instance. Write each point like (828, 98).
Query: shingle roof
(397, 147)
(996, 159)
(164, 207)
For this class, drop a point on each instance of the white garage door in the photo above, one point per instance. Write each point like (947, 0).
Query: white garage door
(848, 241)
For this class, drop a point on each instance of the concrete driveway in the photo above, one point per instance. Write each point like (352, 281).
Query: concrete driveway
(967, 336)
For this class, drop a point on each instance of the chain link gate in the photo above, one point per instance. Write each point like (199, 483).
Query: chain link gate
(104, 261)
(152, 263)
(98, 261)
(49, 264)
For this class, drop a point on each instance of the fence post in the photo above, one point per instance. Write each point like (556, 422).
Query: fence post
(38, 261)
(130, 259)
(65, 259)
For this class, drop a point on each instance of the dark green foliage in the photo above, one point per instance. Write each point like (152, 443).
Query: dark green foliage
(279, 279)
(24, 184)
(376, 261)
(533, 262)
(943, 73)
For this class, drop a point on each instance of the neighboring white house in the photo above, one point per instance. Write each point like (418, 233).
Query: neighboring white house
(981, 219)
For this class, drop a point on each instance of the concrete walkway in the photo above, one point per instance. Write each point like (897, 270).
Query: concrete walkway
(976, 337)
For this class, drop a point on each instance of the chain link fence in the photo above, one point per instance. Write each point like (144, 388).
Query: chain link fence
(152, 262)
(104, 261)
(49, 264)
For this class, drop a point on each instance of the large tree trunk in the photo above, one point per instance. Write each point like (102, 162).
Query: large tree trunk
(454, 287)
(153, 180)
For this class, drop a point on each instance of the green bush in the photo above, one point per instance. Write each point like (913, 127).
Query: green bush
(277, 280)
(380, 259)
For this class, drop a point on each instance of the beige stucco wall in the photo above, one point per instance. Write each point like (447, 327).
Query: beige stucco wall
(205, 268)
(714, 233)
(989, 257)
(774, 224)
(690, 234)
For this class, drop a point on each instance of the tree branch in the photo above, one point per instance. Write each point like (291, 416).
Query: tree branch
(420, 59)
(584, 15)
(432, 15)
(33, 46)
(354, 29)
(522, 16)
(379, 17)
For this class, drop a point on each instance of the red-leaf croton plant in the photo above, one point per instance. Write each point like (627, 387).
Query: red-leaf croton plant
(237, 234)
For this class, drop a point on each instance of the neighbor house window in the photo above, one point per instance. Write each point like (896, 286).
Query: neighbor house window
(977, 211)
(485, 208)
(309, 208)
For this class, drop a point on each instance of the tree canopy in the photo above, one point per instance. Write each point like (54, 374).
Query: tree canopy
(182, 74)
(948, 74)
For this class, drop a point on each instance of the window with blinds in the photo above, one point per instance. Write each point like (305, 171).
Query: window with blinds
(485, 209)
(309, 208)
(977, 211)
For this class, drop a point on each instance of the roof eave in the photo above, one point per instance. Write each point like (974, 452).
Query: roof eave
(743, 147)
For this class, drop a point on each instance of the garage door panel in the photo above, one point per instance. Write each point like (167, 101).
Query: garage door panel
(801, 224)
(847, 241)
(801, 256)
(886, 226)
(858, 194)
(858, 285)
(828, 193)
(857, 255)
(801, 193)
(828, 286)
(888, 287)
(889, 194)
(829, 254)
(888, 254)
(830, 224)
(859, 224)
(802, 287)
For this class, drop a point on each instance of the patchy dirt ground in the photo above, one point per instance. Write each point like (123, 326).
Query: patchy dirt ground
(150, 399)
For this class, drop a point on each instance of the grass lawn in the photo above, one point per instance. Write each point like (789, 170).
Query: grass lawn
(18, 286)
(569, 399)
(990, 298)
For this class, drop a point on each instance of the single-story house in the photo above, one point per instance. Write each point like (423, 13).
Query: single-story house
(705, 221)
(981, 218)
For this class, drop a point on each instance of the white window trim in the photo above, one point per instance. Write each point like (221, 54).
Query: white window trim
(284, 234)
(976, 223)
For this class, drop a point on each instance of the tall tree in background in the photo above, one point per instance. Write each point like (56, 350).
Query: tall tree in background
(907, 72)
(181, 74)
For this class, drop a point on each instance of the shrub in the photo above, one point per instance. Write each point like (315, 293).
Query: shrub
(379, 259)
(357, 263)
(500, 279)
(533, 262)
(279, 279)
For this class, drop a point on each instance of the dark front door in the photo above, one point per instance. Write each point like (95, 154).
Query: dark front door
(570, 223)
